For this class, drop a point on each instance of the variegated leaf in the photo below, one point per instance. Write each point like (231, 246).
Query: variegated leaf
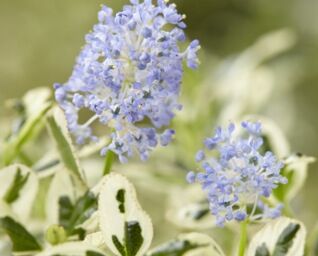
(191, 244)
(189, 208)
(280, 237)
(72, 249)
(295, 170)
(18, 188)
(58, 127)
(126, 228)
(61, 185)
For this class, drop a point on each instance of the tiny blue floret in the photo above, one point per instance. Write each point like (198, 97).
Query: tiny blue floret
(128, 76)
(237, 175)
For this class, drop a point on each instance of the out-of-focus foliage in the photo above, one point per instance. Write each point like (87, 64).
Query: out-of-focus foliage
(258, 57)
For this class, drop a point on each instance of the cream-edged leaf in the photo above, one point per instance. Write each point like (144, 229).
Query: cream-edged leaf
(280, 237)
(22, 240)
(5, 246)
(5, 210)
(61, 185)
(91, 225)
(71, 249)
(189, 208)
(95, 239)
(295, 170)
(191, 244)
(58, 127)
(20, 199)
(126, 228)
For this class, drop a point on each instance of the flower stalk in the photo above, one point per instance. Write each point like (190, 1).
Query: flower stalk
(109, 159)
(243, 238)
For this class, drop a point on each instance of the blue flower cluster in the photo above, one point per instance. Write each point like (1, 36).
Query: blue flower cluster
(237, 175)
(128, 76)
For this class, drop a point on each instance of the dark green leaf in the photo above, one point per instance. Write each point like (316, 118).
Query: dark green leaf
(250, 209)
(119, 246)
(281, 191)
(22, 240)
(132, 241)
(315, 249)
(71, 215)
(175, 248)
(266, 145)
(48, 165)
(200, 214)
(285, 240)
(80, 232)
(262, 250)
(92, 253)
(120, 197)
(13, 191)
(65, 210)
(133, 237)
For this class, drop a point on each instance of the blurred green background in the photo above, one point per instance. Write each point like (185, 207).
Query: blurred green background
(41, 38)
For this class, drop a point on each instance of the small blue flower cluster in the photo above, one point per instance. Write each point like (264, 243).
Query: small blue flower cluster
(238, 175)
(128, 76)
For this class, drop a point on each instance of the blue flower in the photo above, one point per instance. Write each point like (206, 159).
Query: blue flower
(128, 76)
(236, 175)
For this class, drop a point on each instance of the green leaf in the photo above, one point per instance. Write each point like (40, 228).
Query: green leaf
(18, 189)
(120, 247)
(65, 210)
(188, 244)
(285, 240)
(200, 213)
(315, 249)
(262, 250)
(133, 237)
(175, 248)
(92, 253)
(13, 191)
(22, 240)
(132, 240)
(71, 215)
(57, 125)
(266, 145)
(281, 191)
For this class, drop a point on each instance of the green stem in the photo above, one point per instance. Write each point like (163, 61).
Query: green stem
(243, 238)
(25, 159)
(108, 162)
(287, 210)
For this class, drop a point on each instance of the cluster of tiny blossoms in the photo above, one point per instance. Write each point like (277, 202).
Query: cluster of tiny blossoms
(238, 175)
(128, 76)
